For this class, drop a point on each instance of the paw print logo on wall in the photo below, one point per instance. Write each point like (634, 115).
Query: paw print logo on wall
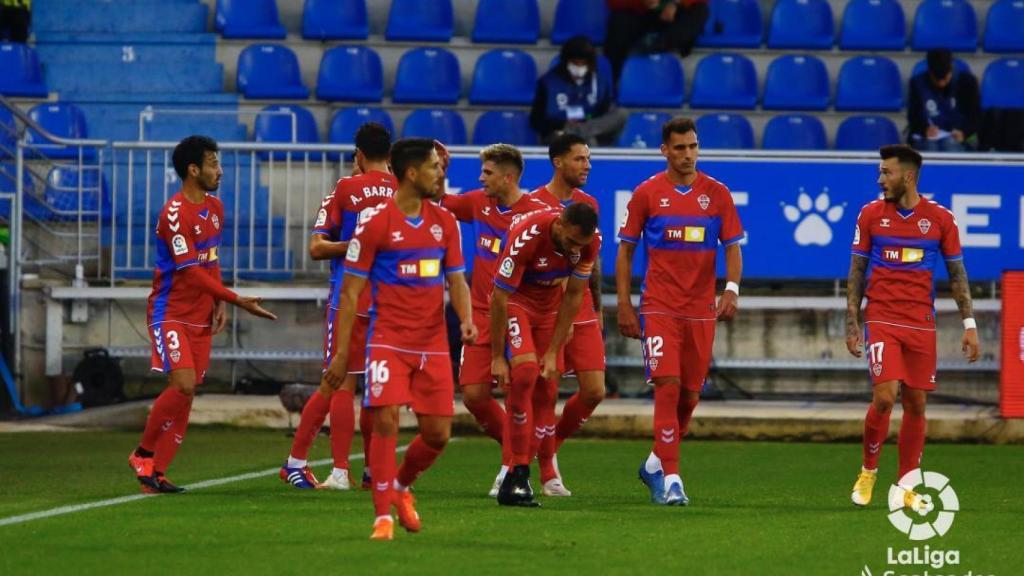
(814, 218)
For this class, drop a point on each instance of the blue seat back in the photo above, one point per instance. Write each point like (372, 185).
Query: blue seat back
(507, 126)
(958, 67)
(58, 118)
(350, 73)
(652, 80)
(1004, 26)
(866, 133)
(794, 132)
(416, 20)
(22, 75)
(248, 19)
(801, 24)
(335, 20)
(873, 25)
(348, 120)
(270, 71)
(1003, 84)
(643, 130)
(576, 17)
(733, 24)
(507, 21)
(443, 125)
(725, 80)
(62, 189)
(428, 75)
(796, 82)
(948, 24)
(725, 131)
(278, 128)
(504, 77)
(869, 83)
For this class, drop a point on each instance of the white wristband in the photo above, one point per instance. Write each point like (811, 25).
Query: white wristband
(733, 287)
(970, 324)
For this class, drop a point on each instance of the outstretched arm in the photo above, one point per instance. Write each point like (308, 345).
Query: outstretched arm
(962, 294)
(854, 295)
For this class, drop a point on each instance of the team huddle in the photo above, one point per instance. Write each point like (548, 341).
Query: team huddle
(531, 313)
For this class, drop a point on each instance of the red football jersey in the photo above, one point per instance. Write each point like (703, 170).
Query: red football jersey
(532, 268)
(338, 215)
(187, 235)
(492, 224)
(682, 228)
(902, 248)
(406, 260)
(586, 313)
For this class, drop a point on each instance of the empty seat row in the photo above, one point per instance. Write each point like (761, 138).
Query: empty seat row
(800, 24)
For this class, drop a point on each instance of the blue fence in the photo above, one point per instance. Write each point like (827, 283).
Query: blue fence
(799, 214)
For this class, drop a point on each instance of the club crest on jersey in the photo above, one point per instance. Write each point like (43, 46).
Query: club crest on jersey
(653, 364)
(436, 232)
(179, 245)
(704, 201)
(924, 225)
(876, 369)
(175, 356)
(376, 389)
(321, 218)
(516, 341)
(507, 267)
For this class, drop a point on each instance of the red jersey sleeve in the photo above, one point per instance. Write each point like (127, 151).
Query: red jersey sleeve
(362, 248)
(461, 205)
(515, 259)
(732, 230)
(950, 241)
(453, 259)
(588, 255)
(862, 233)
(328, 217)
(636, 216)
(173, 230)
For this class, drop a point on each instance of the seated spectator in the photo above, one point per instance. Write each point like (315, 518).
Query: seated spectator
(944, 109)
(572, 97)
(15, 16)
(652, 26)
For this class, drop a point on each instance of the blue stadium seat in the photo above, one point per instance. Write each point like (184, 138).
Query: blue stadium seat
(873, 25)
(335, 20)
(443, 125)
(958, 67)
(428, 76)
(724, 81)
(801, 24)
(652, 80)
(1004, 27)
(866, 133)
(725, 131)
(348, 120)
(643, 130)
(270, 71)
(796, 82)
(507, 22)
(62, 187)
(278, 128)
(508, 126)
(352, 74)
(794, 132)
(248, 19)
(869, 83)
(504, 77)
(60, 119)
(1003, 84)
(416, 20)
(948, 24)
(575, 17)
(22, 74)
(733, 24)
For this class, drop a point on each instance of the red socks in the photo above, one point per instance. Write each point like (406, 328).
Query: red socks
(342, 427)
(519, 407)
(490, 416)
(666, 427)
(418, 458)
(684, 411)
(169, 442)
(382, 449)
(313, 415)
(574, 414)
(911, 442)
(876, 429)
(168, 406)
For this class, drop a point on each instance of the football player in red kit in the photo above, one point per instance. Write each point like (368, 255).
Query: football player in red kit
(187, 306)
(898, 242)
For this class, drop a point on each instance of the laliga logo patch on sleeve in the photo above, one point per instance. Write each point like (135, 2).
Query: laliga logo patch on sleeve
(507, 267)
(856, 235)
(354, 248)
(321, 218)
(179, 245)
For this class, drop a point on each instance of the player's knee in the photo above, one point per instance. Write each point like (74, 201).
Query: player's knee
(882, 404)
(385, 421)
(475, 395)
(913, 406)
(437, 438)
(184, 381)
(592, 395)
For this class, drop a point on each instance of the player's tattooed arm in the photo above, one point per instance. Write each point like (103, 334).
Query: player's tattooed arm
(595, 290)
(854, 295)
(960, 287)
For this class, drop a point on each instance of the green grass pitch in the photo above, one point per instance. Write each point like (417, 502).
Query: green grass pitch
(757, 508)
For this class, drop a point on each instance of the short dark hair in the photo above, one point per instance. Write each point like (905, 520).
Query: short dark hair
(374, 141)
(940, 62)
(562, 143)
(581, 215)
(503, 155)
(906, 155)
(409, 152)
(677, 125)
(192, 150)
(578, 47)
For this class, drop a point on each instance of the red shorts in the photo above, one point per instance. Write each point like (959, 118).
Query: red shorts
(356, 344)
(899, 353)
(475, 363)
(584, 352)
(176, 346)
(677, 348)
(397, 378)
(530, 334)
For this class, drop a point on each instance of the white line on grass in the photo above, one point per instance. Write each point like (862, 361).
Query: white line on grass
(124, 499)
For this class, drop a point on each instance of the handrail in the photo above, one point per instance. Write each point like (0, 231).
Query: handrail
(28, 121)
(147, 113)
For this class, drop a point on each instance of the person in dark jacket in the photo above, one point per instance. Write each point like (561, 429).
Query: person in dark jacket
(944, 111)
(573, 97)
(652, 26)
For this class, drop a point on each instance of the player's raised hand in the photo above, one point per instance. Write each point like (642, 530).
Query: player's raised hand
(549, 365)
(220, 317)
(629, 324)
(335, 373)
(501, 372)
(969, 344)
(854, 340)
(251, 304)
(469, 332)
(727, 305)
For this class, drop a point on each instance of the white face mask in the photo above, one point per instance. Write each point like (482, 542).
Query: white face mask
(577, 72)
